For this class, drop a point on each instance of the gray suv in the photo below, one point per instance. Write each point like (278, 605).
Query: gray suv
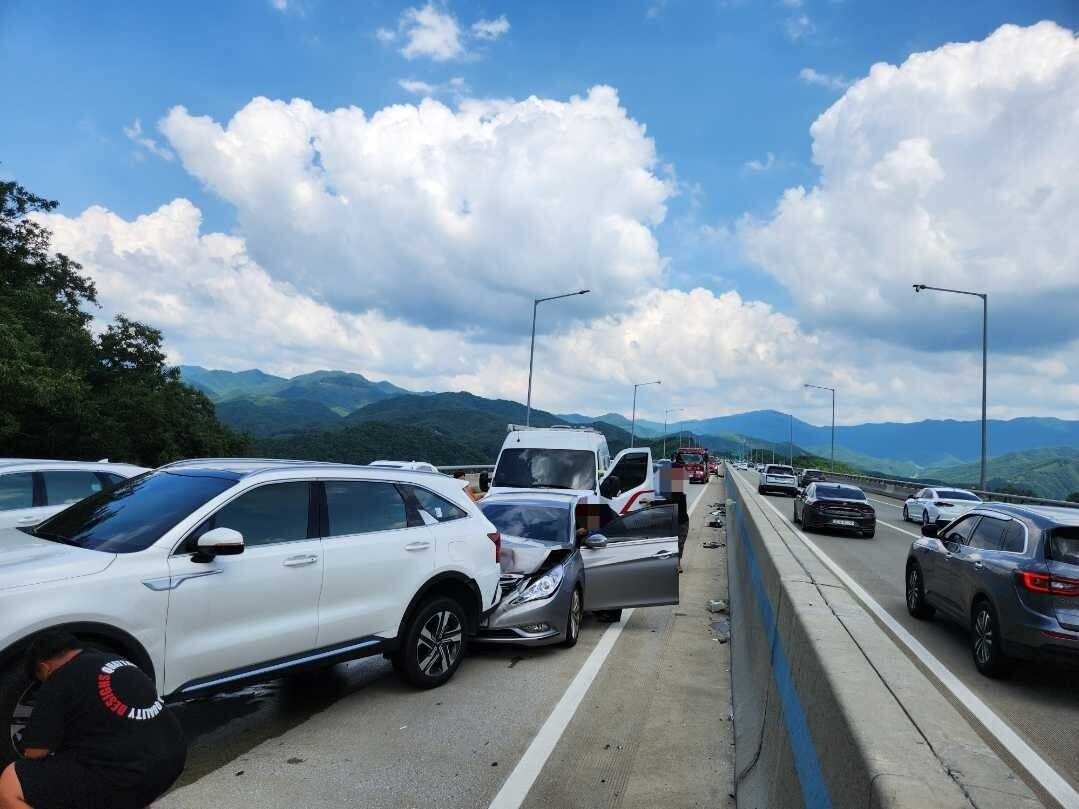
(1010, 574)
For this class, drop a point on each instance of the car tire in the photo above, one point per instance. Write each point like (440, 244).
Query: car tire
(915, 593)
(906, 514)
(433, 644)
(794, 517)
(15, 686)
(609, 616)
(925, 516)
(869, 534)
(573, 619)
(985, 641)
(760, 490)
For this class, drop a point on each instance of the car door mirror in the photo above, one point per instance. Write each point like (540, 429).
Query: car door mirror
(218, 542)
(485, 481)
(595, 541)
(929, 530)
(611, 486)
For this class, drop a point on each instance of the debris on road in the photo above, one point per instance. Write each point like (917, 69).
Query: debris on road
(711, 545)
(722, 630)
(717, 605)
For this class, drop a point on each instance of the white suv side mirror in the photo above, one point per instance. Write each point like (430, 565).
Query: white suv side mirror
(220, 542)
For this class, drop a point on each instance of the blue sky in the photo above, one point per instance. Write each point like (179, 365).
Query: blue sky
(720, 87)
(716, 83)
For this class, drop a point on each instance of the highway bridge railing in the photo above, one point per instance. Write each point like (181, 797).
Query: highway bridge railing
(829, 713)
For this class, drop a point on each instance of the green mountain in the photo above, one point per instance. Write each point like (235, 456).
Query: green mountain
(262, 416)
(341, 392)
(369, 441)
(228, 384)
(1051, 472)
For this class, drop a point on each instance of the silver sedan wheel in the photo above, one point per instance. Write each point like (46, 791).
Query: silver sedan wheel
(983, 636)
(576, 612)
(925, 516)
(440, 643)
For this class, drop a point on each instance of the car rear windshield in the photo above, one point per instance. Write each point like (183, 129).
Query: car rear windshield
(542, 523)
(541, 468)
(1064, 545)
(839, 493)
(691, 457)
(780, 470)
(951, 494)
(135, 514)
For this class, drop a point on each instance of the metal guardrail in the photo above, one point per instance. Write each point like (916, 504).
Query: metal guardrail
(903, 489)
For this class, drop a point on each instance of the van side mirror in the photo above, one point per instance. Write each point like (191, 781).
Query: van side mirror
(485, 481)
(595, 541)
(930, 530)
(218, 542)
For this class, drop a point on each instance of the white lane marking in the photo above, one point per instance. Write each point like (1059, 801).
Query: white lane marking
(700, 494)
(520, 781)
(900, 530)
(1038, 768)
(884, 503)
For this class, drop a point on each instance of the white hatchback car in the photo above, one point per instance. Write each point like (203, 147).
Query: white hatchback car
(214, 573)
(32, 489)
(944, 504)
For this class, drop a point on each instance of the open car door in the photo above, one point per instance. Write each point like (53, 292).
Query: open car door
(638, 565)
(629, 482)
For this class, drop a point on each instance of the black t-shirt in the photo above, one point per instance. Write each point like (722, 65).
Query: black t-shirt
(104, 711)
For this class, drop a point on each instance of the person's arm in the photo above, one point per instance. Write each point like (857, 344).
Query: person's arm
(44, 734)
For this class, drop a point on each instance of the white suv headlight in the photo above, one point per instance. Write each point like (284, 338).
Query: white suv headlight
(543, 587)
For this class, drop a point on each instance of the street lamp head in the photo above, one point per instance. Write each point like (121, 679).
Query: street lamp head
(918, 287)
(584, 292)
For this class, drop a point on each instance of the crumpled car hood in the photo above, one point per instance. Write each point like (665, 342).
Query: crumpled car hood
(520, 555)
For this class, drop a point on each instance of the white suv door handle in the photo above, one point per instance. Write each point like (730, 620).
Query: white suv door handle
(300, 561)
(417, 546)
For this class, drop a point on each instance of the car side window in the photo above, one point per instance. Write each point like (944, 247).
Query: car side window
(811, 491)
(66, 486)
(989, 534)
(1015, 537)
(438, 507)
(16, 491)
(363, 507)
(961, 531)
(648, 523)
(268, 515)
(631, 471)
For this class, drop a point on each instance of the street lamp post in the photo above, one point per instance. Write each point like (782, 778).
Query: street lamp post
(985, 357)
(532, 348)
(791, 447)
(822, 387)
(633, 424)
(665, 414)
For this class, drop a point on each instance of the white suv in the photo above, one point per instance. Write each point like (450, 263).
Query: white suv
(31, 489)
(213, 573)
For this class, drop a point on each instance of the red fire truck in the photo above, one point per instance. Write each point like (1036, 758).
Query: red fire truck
(695, 461)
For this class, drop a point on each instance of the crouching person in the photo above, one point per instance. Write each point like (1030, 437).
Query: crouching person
(99, 735)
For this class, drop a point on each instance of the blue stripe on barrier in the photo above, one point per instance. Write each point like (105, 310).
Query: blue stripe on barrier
(806, 763)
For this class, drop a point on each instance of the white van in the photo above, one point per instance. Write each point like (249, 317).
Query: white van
(576, 460)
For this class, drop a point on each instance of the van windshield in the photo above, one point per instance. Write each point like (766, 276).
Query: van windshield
(542, 468)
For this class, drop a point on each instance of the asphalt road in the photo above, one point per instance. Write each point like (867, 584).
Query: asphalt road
(1039, 701)
(651, 725)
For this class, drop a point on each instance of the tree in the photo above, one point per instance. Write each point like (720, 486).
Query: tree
(1073, 497)
(65, 393)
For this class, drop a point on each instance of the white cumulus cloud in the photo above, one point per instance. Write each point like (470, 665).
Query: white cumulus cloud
(957, 168)
(135, 134)
(431, 32)
(414, 209)
(830, 81)
(490, 30)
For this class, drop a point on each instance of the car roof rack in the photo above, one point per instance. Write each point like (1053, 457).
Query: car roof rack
(583, 428)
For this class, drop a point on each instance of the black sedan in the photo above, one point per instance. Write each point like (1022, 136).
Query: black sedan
(836, 506)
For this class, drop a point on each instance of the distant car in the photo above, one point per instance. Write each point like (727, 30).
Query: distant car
(778, 478)
(550, 577)
(1009, 574)
(413, 466)
(31, 489)
(742, 465)
(837, 506)
(939, 505)
(809, 476)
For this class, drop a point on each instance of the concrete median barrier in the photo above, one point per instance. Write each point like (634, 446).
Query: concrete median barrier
(828, 711)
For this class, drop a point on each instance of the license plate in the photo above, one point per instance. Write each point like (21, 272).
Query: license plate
(851, 523)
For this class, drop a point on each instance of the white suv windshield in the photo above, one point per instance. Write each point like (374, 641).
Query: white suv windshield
(135, 514)
(541, 468)
(780, 470)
